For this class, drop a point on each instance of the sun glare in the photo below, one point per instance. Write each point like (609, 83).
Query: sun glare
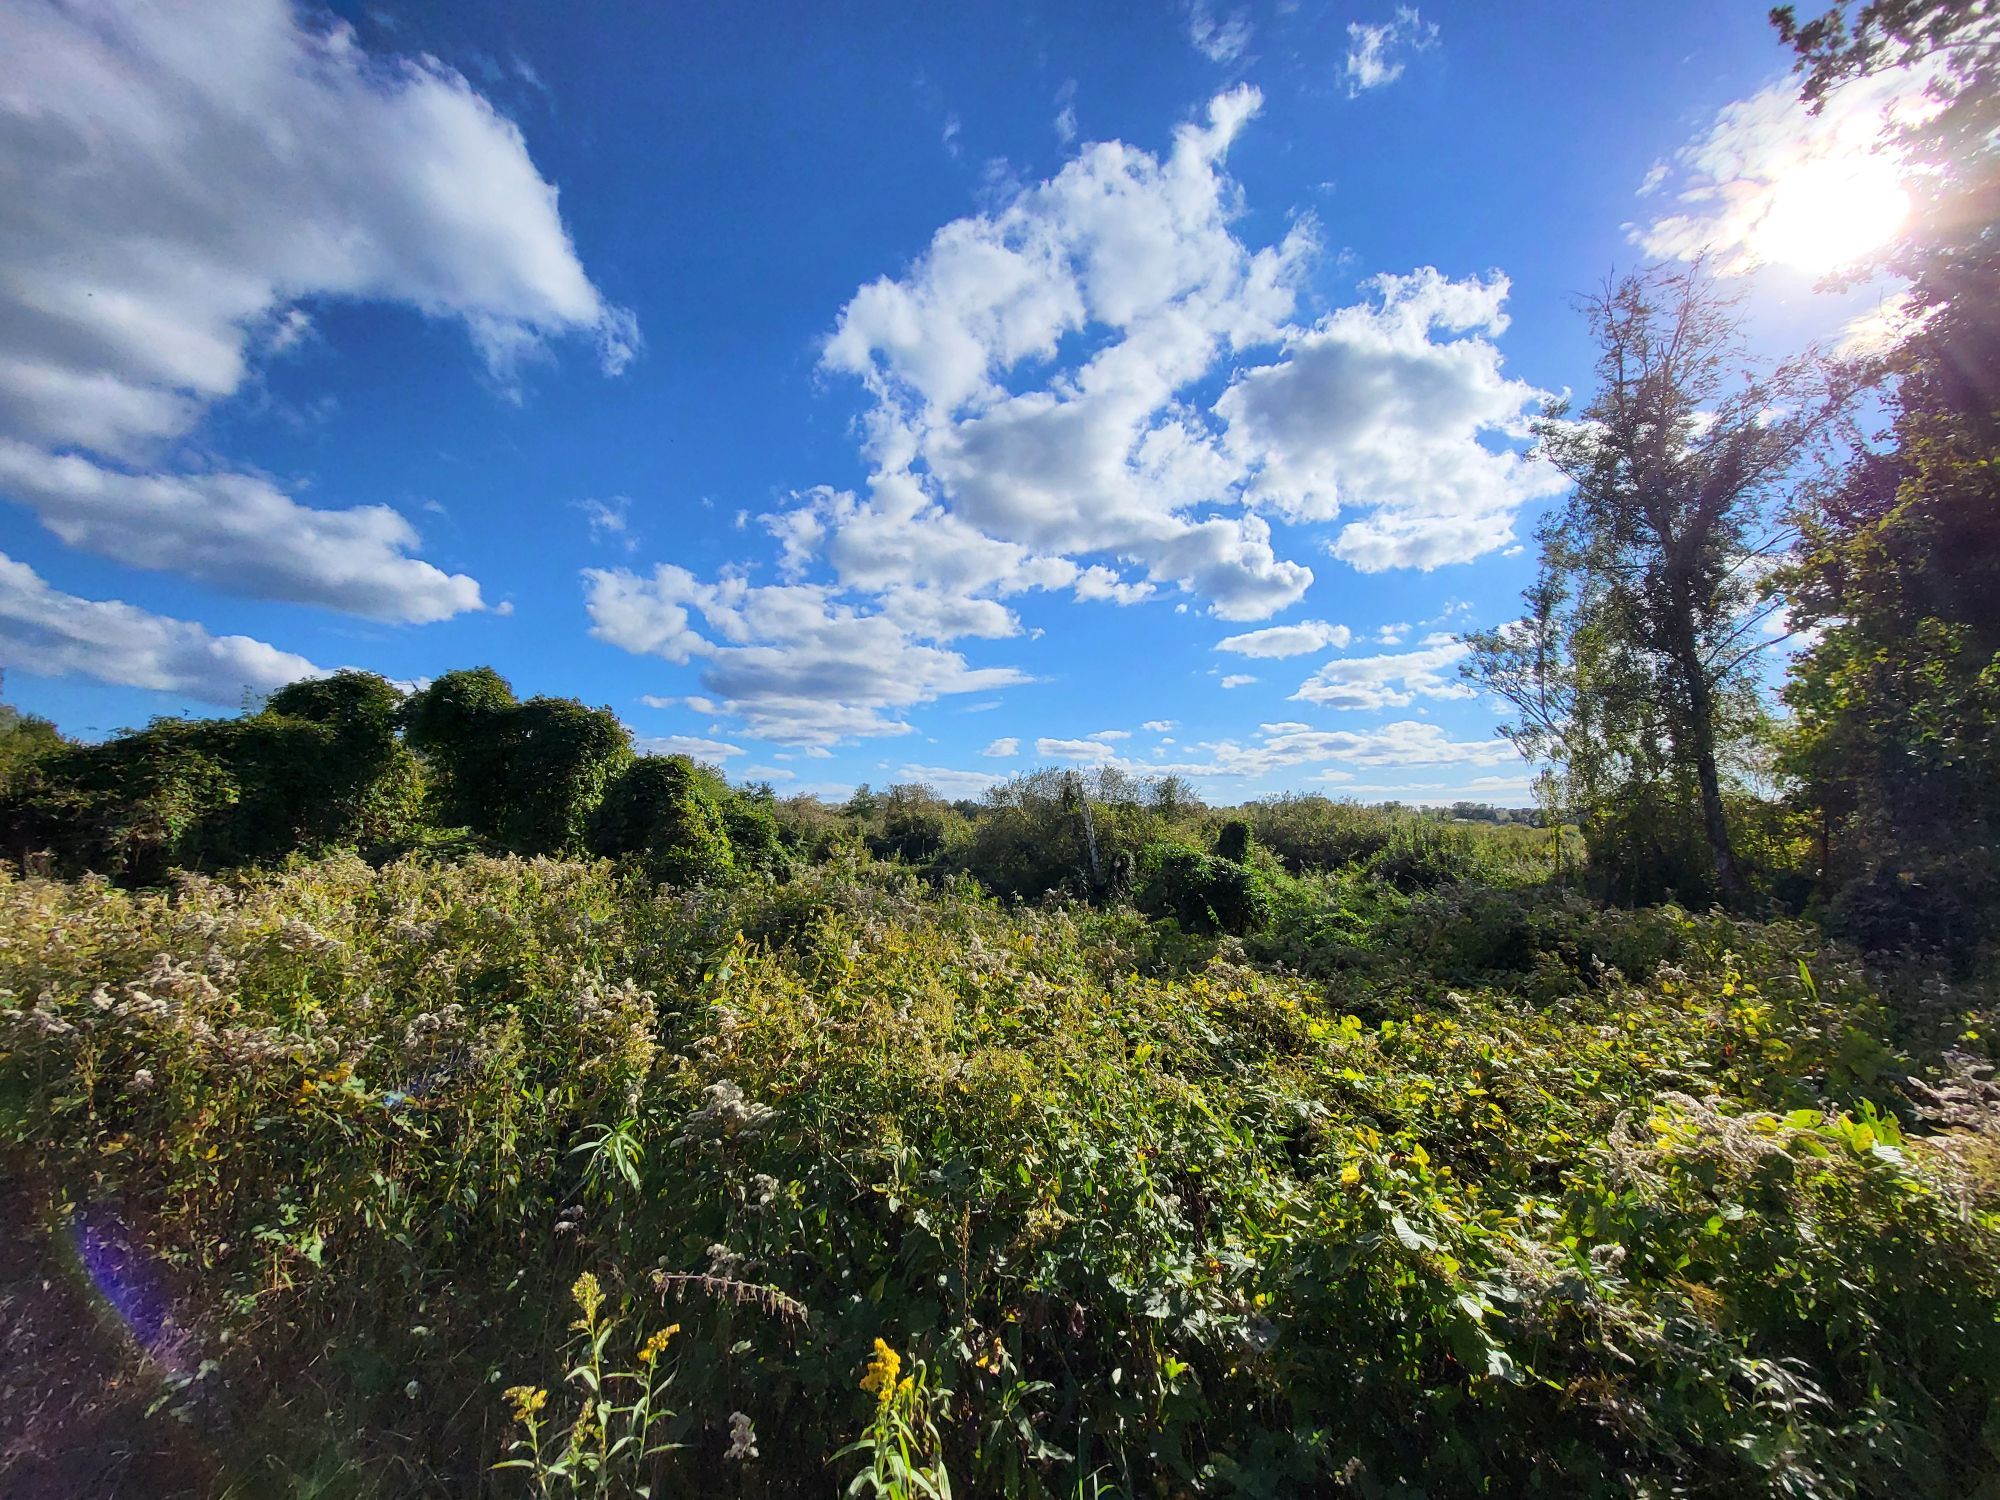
(1831, 212)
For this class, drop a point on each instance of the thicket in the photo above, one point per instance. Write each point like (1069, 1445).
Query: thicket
(1526, 1195)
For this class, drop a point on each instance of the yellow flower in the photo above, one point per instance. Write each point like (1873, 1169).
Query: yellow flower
(651, 1349)
(1350, 1175)
(586, 1427)
(526, 1401)
(590, 1297)
(882, 1371)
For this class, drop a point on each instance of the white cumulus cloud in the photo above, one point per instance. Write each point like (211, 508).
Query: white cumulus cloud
(792, 661)
(198, 172)
(947, 782)
(184, 183)
(1036, 417)
(1286, 640)
(1372, 409)
(1394, 680)
(239, 533)
(692, 746)
(52, 634)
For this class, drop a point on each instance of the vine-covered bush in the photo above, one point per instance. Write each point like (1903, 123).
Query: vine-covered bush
(1205, 893)
(674, 816)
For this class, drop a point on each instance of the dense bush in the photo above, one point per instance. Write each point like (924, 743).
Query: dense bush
(674, 816)
(24, 740)
(1671, 1228)
(914, 824)
(318, 768)
(1424, 853)
(1203, 892)
(1311, 832)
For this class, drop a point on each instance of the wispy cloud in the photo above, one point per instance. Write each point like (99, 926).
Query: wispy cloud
(1377, 52)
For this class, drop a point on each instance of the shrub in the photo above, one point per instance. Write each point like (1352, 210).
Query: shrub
(1311, 832)
(1422, 854)
(1232, 841)
(670, 813)
(914, 824)
(134, 808)
(1201, 892)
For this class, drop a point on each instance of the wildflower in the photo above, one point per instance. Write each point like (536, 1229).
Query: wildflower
(590, 1297)
(586, 1427)
(142, 1080)
(652, 1348)
(882, 1371)
(1350, 1174)
(725, 1116)
(526, 1401)
(413, 1390)
(742, 1437)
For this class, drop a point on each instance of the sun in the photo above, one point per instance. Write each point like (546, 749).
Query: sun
(1829, 213)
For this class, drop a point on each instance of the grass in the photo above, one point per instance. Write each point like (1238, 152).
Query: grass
(1447, 1191)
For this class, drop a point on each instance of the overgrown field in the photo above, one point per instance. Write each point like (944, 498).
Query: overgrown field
(849, 1178)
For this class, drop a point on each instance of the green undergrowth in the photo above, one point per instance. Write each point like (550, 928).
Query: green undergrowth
(1440, 1192)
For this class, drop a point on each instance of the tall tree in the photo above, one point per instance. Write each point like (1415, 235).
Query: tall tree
(1897, 704)
(1635, 668)
(24, 739)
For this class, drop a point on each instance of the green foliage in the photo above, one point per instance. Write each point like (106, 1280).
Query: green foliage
(318, 768)
(1634, 668)
(811, 831)
(24, 740)
(1424, 853)
(671, 813)
(527, 777)
(1232, 840)
(133, 808)
(1311, 832)
(609, 1447)
(914, 824)
(756, 837)
(1203, 892)
(560, 757)
(458, 724)
(1897, 702)
(1640, 1204)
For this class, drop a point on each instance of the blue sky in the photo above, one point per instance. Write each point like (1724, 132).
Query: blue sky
(850, 392)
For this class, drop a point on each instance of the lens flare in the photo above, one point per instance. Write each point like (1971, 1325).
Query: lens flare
(126, 1281)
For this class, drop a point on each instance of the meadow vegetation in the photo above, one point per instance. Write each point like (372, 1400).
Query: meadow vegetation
(1415, 1173)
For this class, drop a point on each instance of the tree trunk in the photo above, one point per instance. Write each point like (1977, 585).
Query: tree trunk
(1701, 726)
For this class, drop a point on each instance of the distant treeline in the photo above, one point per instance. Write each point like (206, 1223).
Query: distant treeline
(350, 761)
